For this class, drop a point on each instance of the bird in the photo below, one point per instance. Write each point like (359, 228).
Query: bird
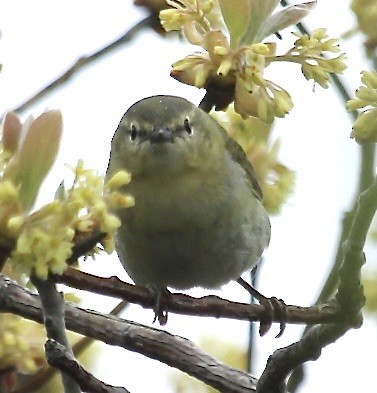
(198, 218)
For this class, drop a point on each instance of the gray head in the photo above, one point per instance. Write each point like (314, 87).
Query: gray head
(164, 134)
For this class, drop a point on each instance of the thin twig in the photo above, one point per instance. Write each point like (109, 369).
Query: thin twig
(84, 61)
(85, 244)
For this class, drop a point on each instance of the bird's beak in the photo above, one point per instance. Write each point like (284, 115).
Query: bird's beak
(161, 134)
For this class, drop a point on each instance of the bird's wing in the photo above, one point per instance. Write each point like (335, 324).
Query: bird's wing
(240, 157)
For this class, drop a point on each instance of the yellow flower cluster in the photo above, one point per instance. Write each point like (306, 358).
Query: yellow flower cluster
(9, 207)
(365, 126)
(45, 237)
(183, 11)
(41, 241)
(275, 179)
(235, 57)
(309, 51)
(366, 13)
(16, 348)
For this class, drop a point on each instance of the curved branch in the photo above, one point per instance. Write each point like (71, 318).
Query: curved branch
(350, 298)
(58, 357)
(172, 350)
(284, 360)
(46, 372)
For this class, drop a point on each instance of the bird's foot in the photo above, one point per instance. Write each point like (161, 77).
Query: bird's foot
(275, 308)
(160, 308)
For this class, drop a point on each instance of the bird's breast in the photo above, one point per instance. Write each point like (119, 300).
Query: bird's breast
(173, 204)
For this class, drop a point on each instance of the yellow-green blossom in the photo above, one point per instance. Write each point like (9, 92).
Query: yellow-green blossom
(203, 16)
(366, 13)
(309, 51)
(17, 349)
(120, 179)
(43, 249)
(235, 55)
(42, 240)
(365, 127)
(46, 237)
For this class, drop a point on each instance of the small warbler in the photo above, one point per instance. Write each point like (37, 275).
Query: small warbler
(198, 219)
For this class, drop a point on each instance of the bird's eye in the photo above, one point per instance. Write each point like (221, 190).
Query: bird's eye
(133, 132)
(187, 126)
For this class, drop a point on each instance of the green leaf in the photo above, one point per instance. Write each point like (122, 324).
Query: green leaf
(236, 17)
(260, 10)
(37, 154)
(287, 17)
(263, 23)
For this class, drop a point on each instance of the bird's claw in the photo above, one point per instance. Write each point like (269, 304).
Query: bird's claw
(160, 308)
(275, 309)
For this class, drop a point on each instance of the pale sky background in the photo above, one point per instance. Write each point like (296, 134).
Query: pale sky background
(41, 39)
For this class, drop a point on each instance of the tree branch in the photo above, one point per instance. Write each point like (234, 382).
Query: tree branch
(209, 306)
(58, 357)
(172, 350)
(53, 319)
(365, 180)
(350, 298)
(46, 372)
(284, 360)
(84, 61)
